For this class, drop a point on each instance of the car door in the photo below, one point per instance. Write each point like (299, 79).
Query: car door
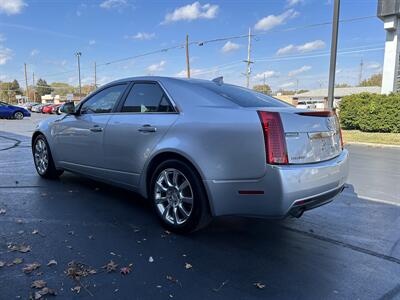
(5, 111)
(79, 137)
(142, 119)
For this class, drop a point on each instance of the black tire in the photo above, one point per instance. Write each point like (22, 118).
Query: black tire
(18, 115)
(200, 215)
(50, 172)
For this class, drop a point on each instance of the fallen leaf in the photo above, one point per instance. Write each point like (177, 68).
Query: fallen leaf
(126, 270)
(188, 266)
(76, 289)
(2, 211)
(38, 284)
(43, 292)
(71, 232)
(112, 253)
(21, 232)
(91, 237)
(77, 270)
(151, 259)
(110, 266)
(29, 268)
(19, 221)
(167, 232)
(2, 263)
(52, 263)
(17, 261)
(259, 285)
(170, 278)
(35, 231)
(20, 248)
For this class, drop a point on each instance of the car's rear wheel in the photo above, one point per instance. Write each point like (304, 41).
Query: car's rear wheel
(179, 197)
(43, 159)
(18, 115)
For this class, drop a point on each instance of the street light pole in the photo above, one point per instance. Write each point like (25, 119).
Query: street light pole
(332, 67)
(78, 55)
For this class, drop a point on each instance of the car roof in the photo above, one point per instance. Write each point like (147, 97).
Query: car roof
(158, 78)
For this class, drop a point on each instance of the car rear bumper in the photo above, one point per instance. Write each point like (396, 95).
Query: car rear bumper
(282, 191)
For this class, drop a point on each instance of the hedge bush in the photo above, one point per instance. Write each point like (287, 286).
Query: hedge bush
(371, 112)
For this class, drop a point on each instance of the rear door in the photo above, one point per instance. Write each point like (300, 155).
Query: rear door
(79, 138)
(131, 134)
(5, 110)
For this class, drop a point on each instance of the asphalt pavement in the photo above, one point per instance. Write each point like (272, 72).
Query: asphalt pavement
(349, 249)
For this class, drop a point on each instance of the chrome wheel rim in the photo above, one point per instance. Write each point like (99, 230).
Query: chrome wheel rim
(41, 156)
(173, 196)
(19, 115)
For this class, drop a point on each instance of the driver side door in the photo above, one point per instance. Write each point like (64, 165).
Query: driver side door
(79, 137)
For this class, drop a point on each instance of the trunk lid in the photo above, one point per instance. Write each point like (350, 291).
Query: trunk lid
(311, 136)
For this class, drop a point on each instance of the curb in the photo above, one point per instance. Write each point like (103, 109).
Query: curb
(376, 145)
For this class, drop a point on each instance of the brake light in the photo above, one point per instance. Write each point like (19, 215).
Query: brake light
(274, 138)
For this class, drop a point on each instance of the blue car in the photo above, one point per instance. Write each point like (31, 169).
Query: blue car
(14, 112)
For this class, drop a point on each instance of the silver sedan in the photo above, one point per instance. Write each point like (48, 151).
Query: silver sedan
(197, 149)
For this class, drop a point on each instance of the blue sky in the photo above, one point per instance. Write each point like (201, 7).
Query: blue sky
(45, 34)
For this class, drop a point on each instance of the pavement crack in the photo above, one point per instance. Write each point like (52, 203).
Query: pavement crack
(345, 245)
(16, 144)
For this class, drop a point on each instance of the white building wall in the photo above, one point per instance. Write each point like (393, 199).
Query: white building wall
(391, 60)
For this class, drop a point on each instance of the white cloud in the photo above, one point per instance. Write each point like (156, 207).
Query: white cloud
(286, 85)
(229, 47)
(272, 21)
(5, 55)
(193, 72)
(299, 71)
(110, 4)
(290, 3)
(11, 7)
(373, 66)
(2, 38)
(156, 67)
(267, 74)
(141, 36)
(311, 46)
(192, 12)
(307, 47)
(35, 52)
(92, 42)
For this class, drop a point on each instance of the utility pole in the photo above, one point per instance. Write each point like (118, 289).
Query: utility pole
(26, 82)
(95, 76)
(248, 61)
(361, 71)
(33, 86)
(332, 67)
(78, 55)
(187, 57)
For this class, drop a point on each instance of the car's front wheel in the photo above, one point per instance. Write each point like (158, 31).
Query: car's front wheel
(179, 197)
(43, 159)
(18, 115)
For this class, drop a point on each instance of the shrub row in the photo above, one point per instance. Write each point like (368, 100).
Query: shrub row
(371, 112)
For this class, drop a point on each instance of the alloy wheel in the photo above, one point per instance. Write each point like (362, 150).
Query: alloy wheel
(41, 156)
(173, 196)
(19, 115)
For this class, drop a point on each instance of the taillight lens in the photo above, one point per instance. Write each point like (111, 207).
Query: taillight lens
(274, 138)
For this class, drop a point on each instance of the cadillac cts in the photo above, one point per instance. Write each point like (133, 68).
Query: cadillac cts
(197, 149)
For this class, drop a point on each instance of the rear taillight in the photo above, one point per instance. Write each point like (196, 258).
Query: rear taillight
(274, 138)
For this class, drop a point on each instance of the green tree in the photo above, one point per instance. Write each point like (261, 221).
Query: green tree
(42, 87)
(8, 90)
(62, 88)
(374, 80)
(263, 88)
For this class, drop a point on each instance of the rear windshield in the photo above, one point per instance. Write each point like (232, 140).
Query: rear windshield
(244, 97)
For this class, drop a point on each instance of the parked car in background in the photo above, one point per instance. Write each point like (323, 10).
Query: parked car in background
(30, 105)
(56, 109)
(13, 112)
(47, 109)
(39, 108)
(198, 149)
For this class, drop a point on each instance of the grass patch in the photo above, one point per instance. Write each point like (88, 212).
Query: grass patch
(370, 137)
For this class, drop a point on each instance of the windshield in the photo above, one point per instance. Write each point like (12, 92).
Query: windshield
(244, 97)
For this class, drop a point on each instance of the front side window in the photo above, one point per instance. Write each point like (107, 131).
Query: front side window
(104, 101)
(146, 97)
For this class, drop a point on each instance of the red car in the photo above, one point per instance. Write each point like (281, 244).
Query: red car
(47, 109)
(55, 109)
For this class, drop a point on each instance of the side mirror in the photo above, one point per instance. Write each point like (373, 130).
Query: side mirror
(68, 108)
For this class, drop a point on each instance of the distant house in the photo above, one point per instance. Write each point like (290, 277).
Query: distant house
(318, 99)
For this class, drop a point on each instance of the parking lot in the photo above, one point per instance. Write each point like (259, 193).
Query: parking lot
(349, 249)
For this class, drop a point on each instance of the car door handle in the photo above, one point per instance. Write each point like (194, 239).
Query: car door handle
(96, 129)
(147, 128)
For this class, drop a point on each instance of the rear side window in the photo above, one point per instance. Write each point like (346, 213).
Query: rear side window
(146, 97)
(244, 97)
